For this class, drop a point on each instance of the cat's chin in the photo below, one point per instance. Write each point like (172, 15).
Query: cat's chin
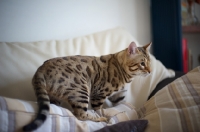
(144, 75)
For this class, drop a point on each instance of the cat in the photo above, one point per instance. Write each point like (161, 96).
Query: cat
(80, 79)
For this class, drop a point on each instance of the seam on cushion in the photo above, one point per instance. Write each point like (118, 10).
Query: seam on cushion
(64, 112)
(3, 104)
(11, 120)
(53, 123)
(157, 108)
(123, 107)
(115, 119)
(99, 112)
(72, 124)
(192, 90)
(4, 107)
(117, 114)
(179, 107)
(128, 105)
(31, 113)
(127, 115)
(27, 105)
(4, 121)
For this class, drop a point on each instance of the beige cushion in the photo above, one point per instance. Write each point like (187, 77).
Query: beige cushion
(19, 61)
(175, 108)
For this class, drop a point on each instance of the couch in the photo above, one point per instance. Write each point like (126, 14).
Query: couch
(176, 107)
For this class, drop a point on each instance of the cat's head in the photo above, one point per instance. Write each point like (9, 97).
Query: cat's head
(137, 60)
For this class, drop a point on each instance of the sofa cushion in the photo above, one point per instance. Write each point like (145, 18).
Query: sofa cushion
(15, 113)
(164, 82)
(173, 108)
(19, 61)
(176, 107)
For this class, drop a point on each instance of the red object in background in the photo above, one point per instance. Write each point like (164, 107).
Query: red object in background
(185, 55)
(191, 1)
(197, 1)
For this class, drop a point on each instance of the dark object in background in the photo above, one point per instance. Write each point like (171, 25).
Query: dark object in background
(167, 32)
(164, 82)
(126, 126)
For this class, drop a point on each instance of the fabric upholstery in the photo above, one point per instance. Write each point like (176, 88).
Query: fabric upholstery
(176, 107)
(19, 61)
(15, 113)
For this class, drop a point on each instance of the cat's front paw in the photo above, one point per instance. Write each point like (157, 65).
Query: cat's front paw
(103, 119)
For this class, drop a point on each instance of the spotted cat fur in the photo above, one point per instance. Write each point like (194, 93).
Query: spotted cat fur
(83, 79)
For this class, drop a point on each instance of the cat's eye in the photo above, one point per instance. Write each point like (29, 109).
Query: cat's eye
(142, 64)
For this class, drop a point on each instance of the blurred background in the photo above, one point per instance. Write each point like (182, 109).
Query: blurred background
(168, 23)
(24, 20)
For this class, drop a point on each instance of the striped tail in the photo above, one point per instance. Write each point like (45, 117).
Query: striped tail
(43, 103)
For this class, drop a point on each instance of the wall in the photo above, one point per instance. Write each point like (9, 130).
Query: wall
(24, 20)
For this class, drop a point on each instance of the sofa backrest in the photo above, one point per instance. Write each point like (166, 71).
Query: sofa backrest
(19, 61)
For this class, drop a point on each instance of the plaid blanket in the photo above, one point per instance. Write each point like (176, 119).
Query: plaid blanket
(175, 108)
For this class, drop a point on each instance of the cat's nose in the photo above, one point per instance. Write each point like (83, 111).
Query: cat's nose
(148, 70)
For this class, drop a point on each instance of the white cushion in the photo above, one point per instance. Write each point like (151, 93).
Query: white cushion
(14, 114)
(19, 61)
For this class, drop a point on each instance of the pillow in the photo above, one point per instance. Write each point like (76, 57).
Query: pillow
(126, 126)
(14, 114)
(164, 82)
(19, 61)
(176, 107)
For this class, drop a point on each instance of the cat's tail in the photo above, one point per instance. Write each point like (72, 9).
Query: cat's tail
(39, 85)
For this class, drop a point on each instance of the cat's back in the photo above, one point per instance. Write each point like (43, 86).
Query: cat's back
(69, 60)
(61, 63)
(65, 68)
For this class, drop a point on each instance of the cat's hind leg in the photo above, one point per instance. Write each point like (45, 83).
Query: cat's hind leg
(97, 102)
(78, 98)
(80, 107)
(55, 101)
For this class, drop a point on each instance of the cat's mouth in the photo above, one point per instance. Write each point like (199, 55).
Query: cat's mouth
(145, 74)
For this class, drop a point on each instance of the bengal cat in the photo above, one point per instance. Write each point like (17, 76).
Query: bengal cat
(83, 79)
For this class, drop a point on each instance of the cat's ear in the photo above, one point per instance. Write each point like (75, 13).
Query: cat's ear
(147, 47)
(132, 48)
